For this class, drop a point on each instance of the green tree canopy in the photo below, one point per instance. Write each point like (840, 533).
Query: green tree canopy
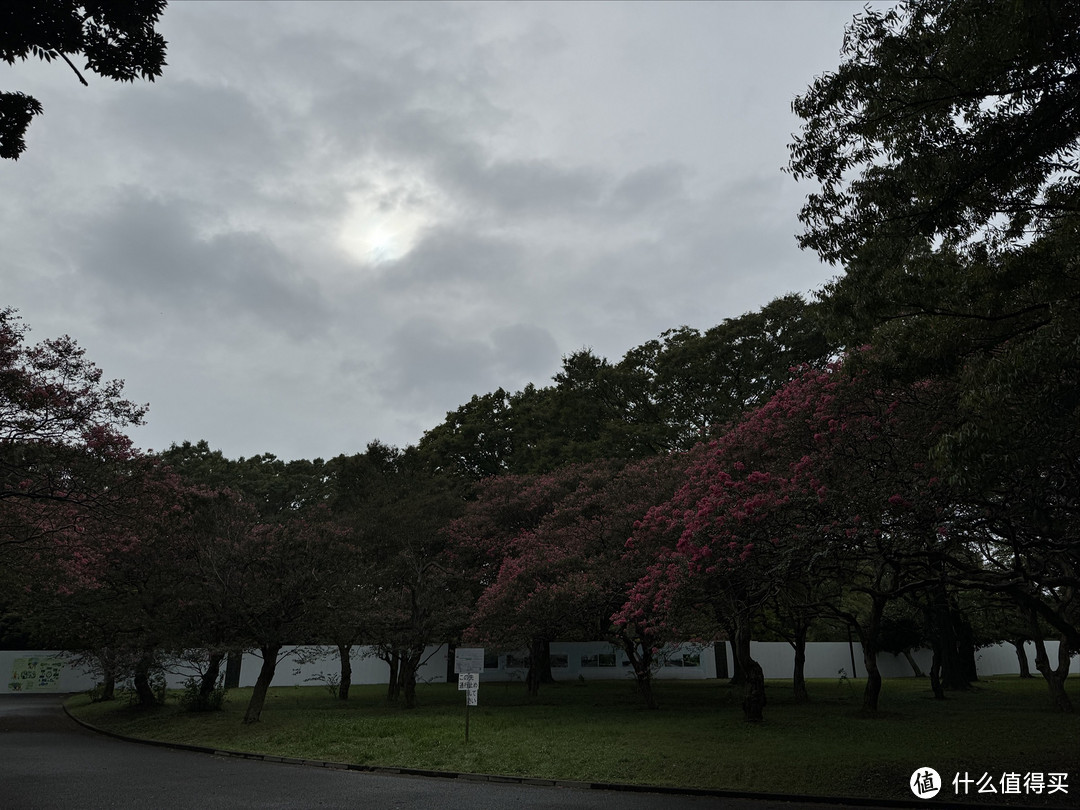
(116, 37)
(948, 121)
(946, 149)
(665, 394)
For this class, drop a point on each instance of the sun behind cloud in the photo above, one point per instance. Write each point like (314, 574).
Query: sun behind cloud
(384, 221)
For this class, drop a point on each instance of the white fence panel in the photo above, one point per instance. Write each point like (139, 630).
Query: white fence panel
(49, 671)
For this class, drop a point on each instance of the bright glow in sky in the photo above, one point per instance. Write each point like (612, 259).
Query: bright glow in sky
(385, 222)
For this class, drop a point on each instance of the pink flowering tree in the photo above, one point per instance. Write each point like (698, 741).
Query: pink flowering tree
(807, 498)
(505, 508)
(564, 567)
(61, 423)
(63, 451)
(114, 586)
(174, 568)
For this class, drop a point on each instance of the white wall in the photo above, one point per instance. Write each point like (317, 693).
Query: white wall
(17, 667)
(825, 659)
(366, 668)
(583, 660)
(600, 661)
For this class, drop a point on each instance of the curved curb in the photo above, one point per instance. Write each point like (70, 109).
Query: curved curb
(837, 801)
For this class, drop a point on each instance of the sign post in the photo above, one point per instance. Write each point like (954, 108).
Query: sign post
(468, 664)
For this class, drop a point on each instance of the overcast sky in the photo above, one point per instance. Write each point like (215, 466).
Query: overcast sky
(331, 223)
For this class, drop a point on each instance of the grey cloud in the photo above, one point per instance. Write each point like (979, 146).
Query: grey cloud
(149, 250)
(712, 258)
(452, 256)
(400, 106)
(520, 187)
(523, 353)
(649, 186)
(424, 360)
(203, 125)
(428, 363)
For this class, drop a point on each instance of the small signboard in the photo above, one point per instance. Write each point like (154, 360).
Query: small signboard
(468, 660)
(468, 664)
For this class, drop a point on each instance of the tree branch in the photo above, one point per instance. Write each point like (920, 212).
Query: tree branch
(81, 79)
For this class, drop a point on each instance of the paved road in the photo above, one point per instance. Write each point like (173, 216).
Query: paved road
(48, 762)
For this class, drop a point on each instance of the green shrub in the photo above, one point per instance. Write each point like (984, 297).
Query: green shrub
(191, 698)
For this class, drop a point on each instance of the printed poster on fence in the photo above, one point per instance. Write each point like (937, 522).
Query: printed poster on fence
(35, 674)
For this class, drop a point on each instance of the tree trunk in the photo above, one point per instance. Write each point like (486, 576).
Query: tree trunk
(262, 684)
(720, 656)
(913, 664)
(952, 669)
(641, 662)
(754, 698)
(545, 663)
(533, 677)
(873, 679)
(410, 662)
(232, 669)
(1021, 657)
(208, 682)
(143, 690)
(345, 681)
(965, 650)
(935, 671)
(851, 653)
(738, 675)
(393, 686)
(108, 675)
(1055, 678)
(108, 685)
(451, 676)
(798, 676)
(870, 638)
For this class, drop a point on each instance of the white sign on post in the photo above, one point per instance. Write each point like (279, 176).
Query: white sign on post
(468, 664)
(468, 659)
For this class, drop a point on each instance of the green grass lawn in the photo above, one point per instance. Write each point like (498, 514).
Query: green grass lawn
(598, 732)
